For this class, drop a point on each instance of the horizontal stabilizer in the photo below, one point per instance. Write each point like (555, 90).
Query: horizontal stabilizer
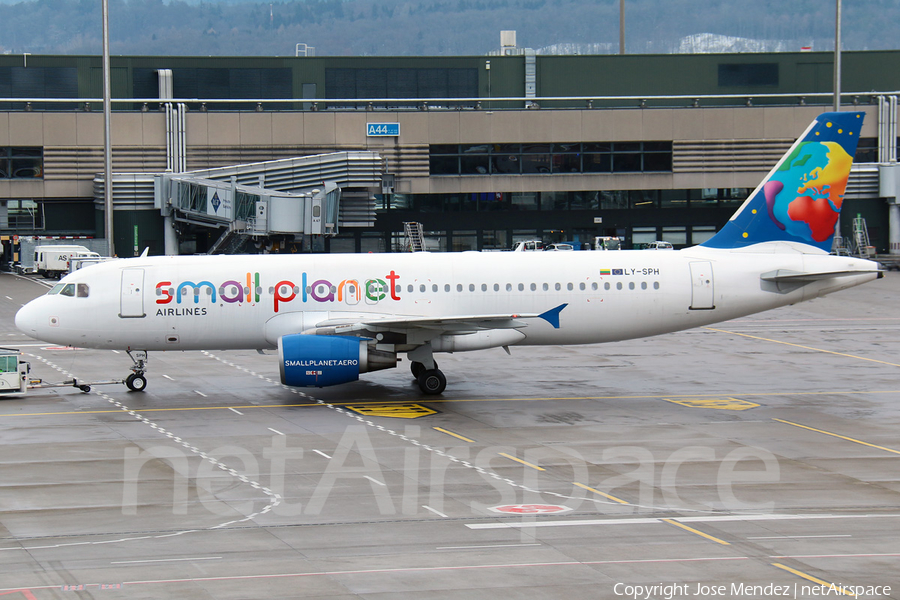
(787, 275)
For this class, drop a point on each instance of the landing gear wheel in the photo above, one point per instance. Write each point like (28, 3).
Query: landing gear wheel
(418, 368)
(85, 388)
(136, 383)
(432, 382)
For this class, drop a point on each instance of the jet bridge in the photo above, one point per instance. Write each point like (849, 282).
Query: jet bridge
(305, 196)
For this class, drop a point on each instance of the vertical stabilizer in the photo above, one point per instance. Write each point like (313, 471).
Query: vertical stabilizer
(800, 199)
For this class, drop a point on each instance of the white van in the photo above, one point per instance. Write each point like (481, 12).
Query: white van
(53, 261)
(659, 245)
(529, 246)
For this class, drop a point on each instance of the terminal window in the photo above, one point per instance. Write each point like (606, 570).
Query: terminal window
(752, 74)
(401, 83)
(39, 82)
(218, 83)
(18, 162)
(550, 159)
(866, 151)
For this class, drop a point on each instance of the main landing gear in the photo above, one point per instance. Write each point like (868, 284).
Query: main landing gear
(137, 382)
(431, 381)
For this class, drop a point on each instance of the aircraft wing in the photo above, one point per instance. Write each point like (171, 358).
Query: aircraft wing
(456, 324)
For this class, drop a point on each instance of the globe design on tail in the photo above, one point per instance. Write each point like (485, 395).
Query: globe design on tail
(804, 196)
(800, 200)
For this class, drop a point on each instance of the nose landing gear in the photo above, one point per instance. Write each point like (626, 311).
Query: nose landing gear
(137, 382)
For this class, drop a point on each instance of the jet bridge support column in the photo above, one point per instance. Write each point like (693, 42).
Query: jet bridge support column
(893, 226)
(170, 237)
(889, 188)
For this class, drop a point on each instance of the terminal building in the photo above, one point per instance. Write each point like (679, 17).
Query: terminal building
(336, 154)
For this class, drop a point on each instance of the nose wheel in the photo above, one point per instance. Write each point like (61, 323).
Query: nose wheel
(136, 383)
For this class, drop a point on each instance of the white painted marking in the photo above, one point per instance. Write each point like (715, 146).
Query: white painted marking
(374, 480)
(319, 452)
(169, 378)
(8, 298)
(234, 410)
(275, 431)
(796, 537)
(488, 546)
(639, 521)
(200, 393)
(159, 560)
(437, 512)
(117, 352)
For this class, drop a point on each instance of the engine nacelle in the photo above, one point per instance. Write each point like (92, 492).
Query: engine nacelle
(323, 360)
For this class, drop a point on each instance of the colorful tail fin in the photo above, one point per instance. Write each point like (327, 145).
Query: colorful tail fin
(800, 199)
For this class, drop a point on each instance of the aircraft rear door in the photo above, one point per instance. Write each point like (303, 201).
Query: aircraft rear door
(132, 301)
(702, 286)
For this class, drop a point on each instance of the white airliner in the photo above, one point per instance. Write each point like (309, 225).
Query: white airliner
(334, 316)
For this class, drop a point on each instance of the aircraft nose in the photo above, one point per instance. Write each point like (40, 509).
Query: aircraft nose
(27, 319)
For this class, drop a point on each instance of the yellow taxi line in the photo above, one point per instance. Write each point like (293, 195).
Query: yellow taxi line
(813, 579)
(843, 437)
(456, 435)
(590, 489)
(519, 460)
(455, 400)
(697, 531)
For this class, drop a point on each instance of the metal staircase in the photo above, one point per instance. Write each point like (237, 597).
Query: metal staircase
(232, 240)
(415, 237)
(861, 246)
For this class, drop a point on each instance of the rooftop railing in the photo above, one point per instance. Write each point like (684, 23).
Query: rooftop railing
(425, 104)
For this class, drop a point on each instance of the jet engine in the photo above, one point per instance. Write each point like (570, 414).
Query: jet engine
(323, 360)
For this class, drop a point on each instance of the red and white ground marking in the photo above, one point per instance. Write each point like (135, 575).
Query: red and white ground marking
(530, 509)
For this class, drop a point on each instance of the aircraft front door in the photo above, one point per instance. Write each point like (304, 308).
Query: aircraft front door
(132, 301)
(702, 286)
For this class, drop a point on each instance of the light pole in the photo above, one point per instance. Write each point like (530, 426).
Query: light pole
(837, 56)
(107, 149)
(837, 92)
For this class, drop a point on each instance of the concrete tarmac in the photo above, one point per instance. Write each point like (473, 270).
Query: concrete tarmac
(757, 458)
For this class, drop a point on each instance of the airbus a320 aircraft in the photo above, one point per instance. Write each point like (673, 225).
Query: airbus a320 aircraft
(332, 317)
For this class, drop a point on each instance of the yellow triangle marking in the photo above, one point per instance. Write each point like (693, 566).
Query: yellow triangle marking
(714, 403)
(397, 411)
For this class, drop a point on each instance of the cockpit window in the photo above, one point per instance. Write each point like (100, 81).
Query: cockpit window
(68, 290)
(82, 290)
(56, 289)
